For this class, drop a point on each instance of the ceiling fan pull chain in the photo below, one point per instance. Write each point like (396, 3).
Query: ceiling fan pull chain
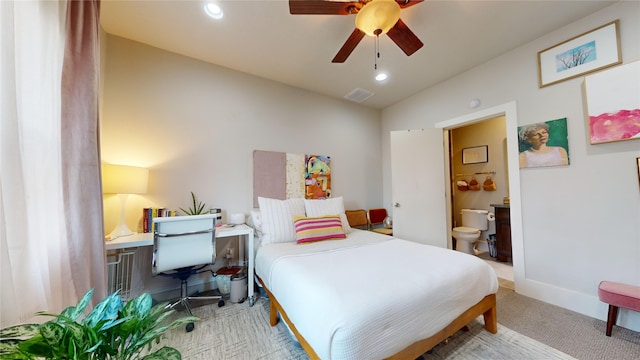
(377, 53)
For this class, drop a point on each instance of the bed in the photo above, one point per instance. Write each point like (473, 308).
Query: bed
(373, 296)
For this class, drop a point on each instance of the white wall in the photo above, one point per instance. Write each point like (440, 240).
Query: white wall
(581, 223)
(196, 125)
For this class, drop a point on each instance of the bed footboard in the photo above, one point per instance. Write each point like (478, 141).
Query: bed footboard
(485, 307)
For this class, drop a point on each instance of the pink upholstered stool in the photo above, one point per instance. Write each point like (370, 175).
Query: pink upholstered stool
(618, 295)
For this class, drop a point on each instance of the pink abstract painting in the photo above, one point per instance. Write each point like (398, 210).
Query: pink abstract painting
(613, 103)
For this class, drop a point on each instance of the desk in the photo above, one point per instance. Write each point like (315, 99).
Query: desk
(146, 239)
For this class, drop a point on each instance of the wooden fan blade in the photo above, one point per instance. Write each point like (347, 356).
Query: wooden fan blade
(349, 45)
(407, 3)
(323, 7)
(404, 38)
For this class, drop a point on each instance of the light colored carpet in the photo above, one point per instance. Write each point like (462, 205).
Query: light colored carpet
(238, 331)
(478, 343)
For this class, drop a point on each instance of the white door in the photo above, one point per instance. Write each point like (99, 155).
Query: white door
(418, 186)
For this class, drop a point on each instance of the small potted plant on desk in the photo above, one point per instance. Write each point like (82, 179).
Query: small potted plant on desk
(197, 207)
(112, 330)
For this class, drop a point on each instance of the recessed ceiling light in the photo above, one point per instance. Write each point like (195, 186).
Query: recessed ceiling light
(381, 77)
(213, 10)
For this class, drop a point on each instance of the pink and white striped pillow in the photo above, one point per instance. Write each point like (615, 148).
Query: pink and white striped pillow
(310, 229)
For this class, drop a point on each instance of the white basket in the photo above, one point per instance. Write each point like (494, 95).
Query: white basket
(120, 267)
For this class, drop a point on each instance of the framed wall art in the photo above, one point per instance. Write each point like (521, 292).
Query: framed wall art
(638, 165)
(475, 155)
(544, 144)
(613, 104)
(583, 54)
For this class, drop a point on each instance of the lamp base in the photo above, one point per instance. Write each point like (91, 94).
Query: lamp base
(120, 231)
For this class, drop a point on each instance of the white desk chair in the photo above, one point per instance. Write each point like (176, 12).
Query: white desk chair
(185, 246)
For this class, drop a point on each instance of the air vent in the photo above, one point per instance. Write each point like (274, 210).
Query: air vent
(358, 95)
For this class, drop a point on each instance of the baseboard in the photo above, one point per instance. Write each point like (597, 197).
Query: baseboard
(589, 305)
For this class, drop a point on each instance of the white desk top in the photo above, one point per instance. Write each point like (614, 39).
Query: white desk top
(146, 239)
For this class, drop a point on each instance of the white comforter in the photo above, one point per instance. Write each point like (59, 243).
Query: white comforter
(370, 296)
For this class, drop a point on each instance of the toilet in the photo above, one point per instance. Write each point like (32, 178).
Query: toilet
(473, 223)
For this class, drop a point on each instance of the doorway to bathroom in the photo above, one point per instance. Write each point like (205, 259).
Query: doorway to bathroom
(479, 176)
(421, 170)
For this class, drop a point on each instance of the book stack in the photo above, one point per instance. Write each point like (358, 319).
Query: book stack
(218, 213)
(149, 213)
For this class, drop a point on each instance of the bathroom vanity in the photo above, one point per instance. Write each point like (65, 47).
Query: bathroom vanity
(503, 232)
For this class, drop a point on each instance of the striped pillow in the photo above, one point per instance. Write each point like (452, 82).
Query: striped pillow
(277, 219)
(310, 229)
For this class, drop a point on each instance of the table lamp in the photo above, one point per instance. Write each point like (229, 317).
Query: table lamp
(123, 180)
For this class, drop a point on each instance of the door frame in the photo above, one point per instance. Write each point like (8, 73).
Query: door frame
(509, 111)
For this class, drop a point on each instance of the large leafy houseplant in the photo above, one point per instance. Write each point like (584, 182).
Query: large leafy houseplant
(112, 330)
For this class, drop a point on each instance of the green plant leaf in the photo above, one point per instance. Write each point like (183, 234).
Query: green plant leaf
(108, 308)
(112, 323)
(23, 331)
(9, 349)
(197, 207)
(52, 333)
(144, 303)
(112, 330)
(36, 346)
(72, 350)
(78, 335)
(73, 312)
(165, 353)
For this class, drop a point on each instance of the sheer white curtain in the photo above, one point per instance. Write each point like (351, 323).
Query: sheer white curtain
(37, 255)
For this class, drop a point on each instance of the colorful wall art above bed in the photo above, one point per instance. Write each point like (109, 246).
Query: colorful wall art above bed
(317, 177)
(279, 175)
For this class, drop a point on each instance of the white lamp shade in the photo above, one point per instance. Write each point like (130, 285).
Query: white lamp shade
(379, 15)
(121, 179)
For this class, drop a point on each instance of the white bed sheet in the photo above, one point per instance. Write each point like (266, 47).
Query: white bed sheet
(370, 296)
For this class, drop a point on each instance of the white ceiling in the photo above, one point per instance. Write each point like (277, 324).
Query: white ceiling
(260, 37)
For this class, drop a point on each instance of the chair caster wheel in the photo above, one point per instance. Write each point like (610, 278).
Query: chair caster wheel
(221, 303)
(190, 327)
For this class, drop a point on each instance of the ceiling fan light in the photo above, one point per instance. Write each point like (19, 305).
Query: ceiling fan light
(379, 15)
(213, 10)
(381, 77)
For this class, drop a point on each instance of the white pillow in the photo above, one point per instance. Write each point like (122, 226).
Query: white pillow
(277, 219)
(255, 220)
(333, 206)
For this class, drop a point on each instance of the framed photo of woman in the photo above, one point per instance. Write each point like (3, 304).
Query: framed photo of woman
(544, 144)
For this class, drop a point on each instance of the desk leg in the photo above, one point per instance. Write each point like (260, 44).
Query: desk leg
(252, 298)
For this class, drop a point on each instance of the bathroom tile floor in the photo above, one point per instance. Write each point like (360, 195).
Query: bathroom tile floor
(504, 270)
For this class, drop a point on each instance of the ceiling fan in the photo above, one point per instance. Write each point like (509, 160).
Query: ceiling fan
(373, 17)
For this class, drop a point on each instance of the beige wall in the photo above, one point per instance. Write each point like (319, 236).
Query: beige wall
(195, 126)
(492, 133)
(580, 223)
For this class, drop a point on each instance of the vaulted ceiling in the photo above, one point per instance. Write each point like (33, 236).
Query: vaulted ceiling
(261, 37)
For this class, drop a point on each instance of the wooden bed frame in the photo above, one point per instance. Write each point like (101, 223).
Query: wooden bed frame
(485, 307)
